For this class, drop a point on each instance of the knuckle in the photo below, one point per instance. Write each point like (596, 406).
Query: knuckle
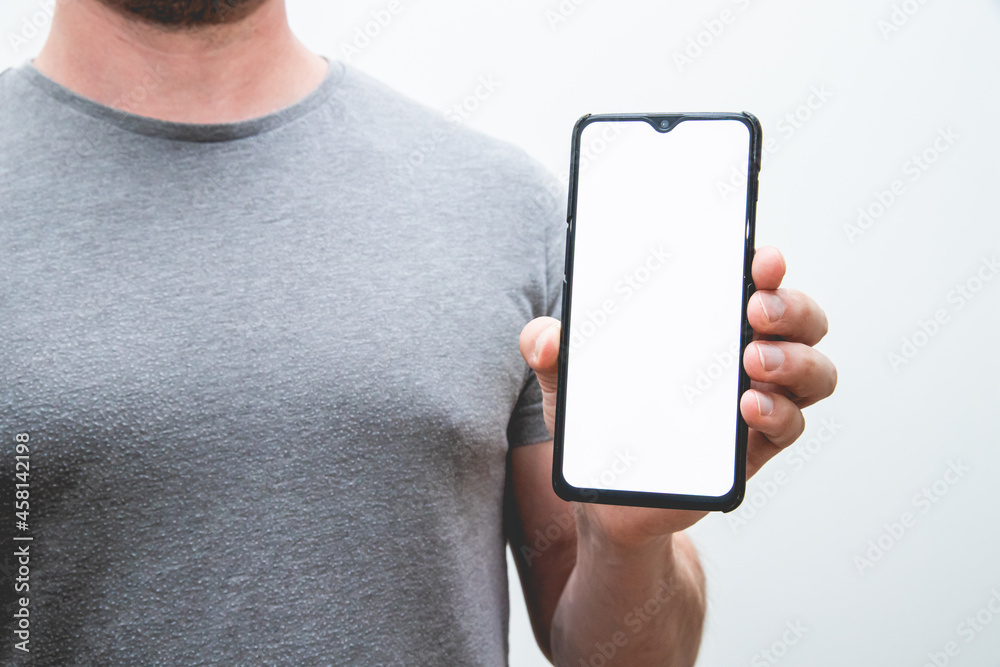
(832, 383)
(800, 425)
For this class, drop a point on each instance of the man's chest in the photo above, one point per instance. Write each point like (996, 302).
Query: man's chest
(141, 339)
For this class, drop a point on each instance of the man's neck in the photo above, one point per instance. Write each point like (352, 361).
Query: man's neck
(211, 74)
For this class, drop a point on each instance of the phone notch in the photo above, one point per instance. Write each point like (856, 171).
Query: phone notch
(664, 123)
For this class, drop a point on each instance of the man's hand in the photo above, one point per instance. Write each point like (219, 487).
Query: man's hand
(614, 557)
(786, 374)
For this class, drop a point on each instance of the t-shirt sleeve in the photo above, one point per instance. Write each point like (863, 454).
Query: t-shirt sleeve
(527, 423)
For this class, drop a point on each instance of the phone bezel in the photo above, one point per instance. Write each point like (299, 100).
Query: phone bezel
(732, 499)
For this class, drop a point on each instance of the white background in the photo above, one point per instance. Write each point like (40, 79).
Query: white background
(885, 98)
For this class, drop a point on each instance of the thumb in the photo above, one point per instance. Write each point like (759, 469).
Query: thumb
(540, 348)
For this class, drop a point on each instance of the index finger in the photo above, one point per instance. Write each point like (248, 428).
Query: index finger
(782, 313)
(768, 268)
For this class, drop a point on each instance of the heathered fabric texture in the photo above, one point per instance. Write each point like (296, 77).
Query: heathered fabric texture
(270, 374)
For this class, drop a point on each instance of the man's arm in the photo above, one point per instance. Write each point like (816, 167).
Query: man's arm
(626, 605)
(615, 565)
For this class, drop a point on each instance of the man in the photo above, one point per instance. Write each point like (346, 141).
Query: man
(264, 362)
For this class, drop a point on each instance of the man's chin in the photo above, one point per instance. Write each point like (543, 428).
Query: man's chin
(185, 13)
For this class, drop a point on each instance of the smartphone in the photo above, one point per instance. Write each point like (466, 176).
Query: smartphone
(659, 246)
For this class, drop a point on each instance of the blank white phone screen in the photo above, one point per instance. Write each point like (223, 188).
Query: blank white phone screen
(656, 307)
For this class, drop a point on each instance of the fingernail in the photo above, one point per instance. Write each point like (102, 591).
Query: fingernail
(771, 356)
(764, 404)
(772, 305)
(538, 350)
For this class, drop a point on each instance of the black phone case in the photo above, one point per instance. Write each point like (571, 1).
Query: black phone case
(663, 122)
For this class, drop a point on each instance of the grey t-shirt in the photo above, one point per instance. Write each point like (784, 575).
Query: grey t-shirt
(270, 375)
